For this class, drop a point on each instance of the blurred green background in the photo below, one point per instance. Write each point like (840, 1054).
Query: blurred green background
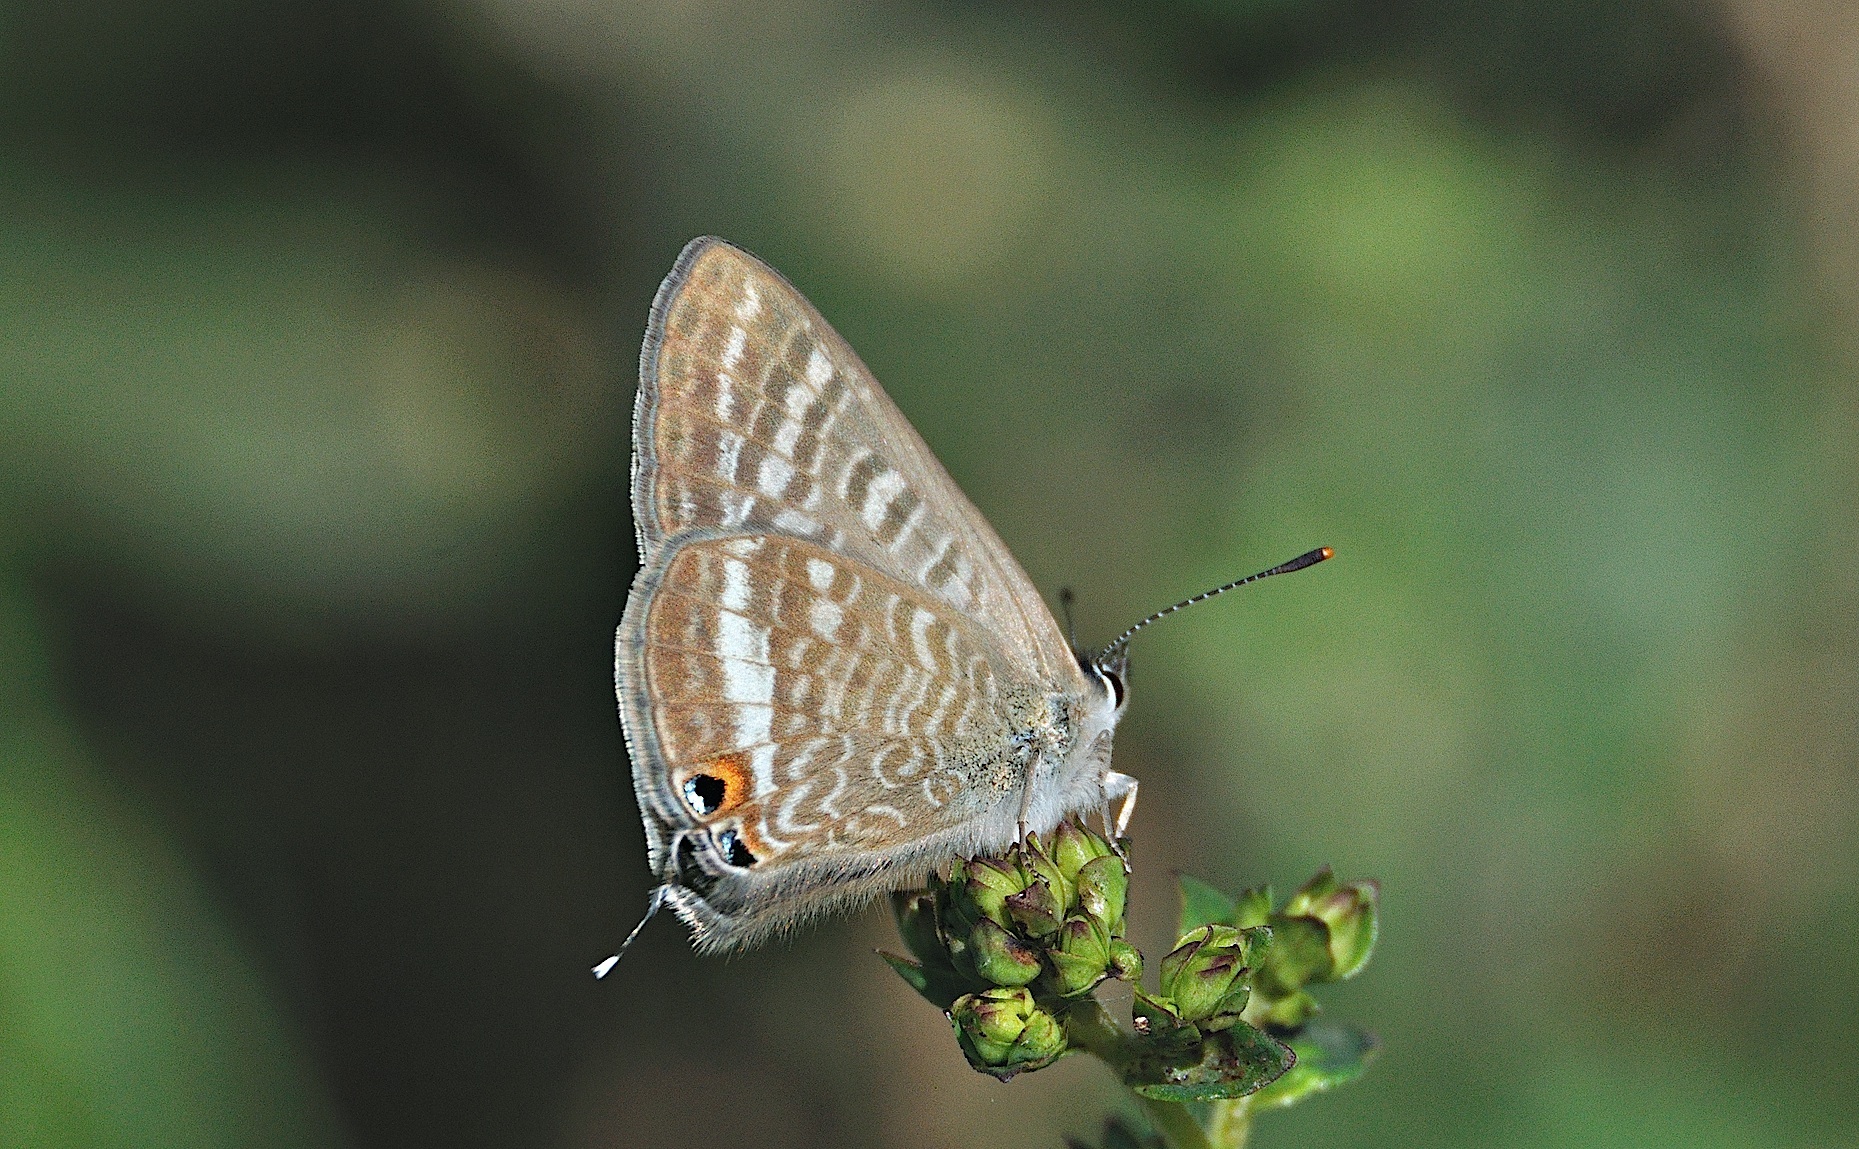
(318, 328)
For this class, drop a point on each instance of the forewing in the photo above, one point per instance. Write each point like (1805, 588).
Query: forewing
(753, 415)
(802, 723)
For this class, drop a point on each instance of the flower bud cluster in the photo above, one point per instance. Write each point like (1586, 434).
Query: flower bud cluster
(1205, 984)
(1011, 948)
(1004, 945)
(1324, 932)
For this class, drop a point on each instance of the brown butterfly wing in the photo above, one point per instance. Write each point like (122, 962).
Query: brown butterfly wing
(832, 673)
(753, 414)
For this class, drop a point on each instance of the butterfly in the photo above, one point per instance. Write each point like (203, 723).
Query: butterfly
(832, 674)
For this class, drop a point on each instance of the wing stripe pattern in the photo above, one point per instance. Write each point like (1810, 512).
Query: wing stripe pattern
(885, 718)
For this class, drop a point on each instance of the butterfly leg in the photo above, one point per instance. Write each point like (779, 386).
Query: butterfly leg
(1121, 789)
(1026, 808)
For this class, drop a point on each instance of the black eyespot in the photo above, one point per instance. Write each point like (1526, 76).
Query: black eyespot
(704, 793)
(729, 844)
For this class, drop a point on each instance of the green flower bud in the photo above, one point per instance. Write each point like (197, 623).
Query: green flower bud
(1325, 932)
(1037, 910)
(983, 886)
(997, 956)
(1253, 907)
(1321, 885)
(987, 1024)
(1073, 846)
(1205, 976)
(1103, 884)
(1299, 954)
(1001, 1032)
(1040, 866)
(1157, 1020)
(1040, 1043)
(1126, 961)
(1080, 956)
(1350, 913)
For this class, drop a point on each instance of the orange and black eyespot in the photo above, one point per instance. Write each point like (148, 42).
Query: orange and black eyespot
(716, 786)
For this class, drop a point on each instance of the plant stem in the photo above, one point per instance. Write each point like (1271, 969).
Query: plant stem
(1230, 1123)
(1090, 1028)
(1176, 1125)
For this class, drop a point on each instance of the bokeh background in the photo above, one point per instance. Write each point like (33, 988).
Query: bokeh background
(318, 326)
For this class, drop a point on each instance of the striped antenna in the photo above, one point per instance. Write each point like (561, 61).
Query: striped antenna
(1308, 558)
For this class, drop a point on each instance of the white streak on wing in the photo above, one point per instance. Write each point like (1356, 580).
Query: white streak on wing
(788, 435)
(742, 649)
(736, 509)
(826, 615)
(833, 683)
(732, 351)
(729, 456)
(784, 817)
(768, 836)
(820, 574)
(819, 368)
(884, 488)
(899, 701)
(740, 640)
(762, 766)
(751, 303)
(773, 475)
(924, 682)
(754, 726)
(889, 812)
(736, 587)
(725, 397)
(829, 805)
(919, 638)
(929, 794)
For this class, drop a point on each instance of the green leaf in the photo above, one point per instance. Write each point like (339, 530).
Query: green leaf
(1328, 1054)
(1201, 904)
(939, 987)
(1232, 1063)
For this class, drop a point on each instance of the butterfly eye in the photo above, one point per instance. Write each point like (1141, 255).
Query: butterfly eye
(704, 793)
(729, 843)
(1118, 692)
